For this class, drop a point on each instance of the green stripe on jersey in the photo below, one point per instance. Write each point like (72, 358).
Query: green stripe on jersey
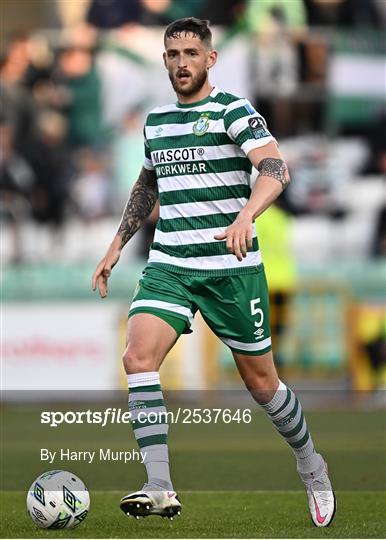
(225, 98)
(211, 166)
(180, 117)
(204, 194)
(184, 141)
(220, 97)
(243, 136)
(147, 152)
(196, 222)
(233, 115)
(206, 249)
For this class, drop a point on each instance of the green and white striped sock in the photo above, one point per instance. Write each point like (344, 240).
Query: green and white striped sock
(148, 418)
(286, 413)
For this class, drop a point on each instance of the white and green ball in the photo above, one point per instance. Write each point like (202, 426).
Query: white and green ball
(58, 500)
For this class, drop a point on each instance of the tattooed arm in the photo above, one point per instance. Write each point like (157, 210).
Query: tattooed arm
(139, 206)
(273, 178)
(275, 168)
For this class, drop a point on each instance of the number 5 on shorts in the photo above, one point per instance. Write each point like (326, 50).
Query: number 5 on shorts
(257, 311)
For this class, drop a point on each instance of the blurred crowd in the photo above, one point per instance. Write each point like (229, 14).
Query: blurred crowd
(74, 95)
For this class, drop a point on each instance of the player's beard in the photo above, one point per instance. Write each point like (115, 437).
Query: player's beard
(195, 85)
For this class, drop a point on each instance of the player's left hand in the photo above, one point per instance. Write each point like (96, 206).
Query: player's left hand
(238, 236)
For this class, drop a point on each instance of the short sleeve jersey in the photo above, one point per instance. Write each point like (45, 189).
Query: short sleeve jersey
(199, 152)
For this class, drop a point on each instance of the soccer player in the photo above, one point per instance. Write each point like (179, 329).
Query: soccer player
(199, 154)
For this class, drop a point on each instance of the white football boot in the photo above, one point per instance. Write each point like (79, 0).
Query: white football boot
(151, 503)
(321, 497)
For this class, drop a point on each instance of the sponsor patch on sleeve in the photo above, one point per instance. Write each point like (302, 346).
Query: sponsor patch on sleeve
(258, 128)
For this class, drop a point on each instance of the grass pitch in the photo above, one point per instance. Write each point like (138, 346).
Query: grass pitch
(213, 515)
(216, 468)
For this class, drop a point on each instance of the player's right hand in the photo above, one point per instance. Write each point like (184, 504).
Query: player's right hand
(103, 271)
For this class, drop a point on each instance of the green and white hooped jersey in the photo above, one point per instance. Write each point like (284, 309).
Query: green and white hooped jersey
(199, 152)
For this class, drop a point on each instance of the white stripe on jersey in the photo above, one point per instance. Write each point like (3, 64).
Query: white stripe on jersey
(191, 236)
(215, 262)
(194, 153)
(223, 206)
(242, 102)
(175, 130)
(238, 126)
(147, 163)
(205, 180)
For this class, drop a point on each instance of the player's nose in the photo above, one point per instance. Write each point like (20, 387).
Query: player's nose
(181, 61)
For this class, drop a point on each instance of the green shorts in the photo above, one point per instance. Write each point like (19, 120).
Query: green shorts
(236, 308)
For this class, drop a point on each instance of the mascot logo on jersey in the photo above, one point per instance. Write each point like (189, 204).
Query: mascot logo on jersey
(201, 126)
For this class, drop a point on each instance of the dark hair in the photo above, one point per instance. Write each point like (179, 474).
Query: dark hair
(197, 27)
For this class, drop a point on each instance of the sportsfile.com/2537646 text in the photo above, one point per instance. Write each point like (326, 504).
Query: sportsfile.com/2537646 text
(112, 415)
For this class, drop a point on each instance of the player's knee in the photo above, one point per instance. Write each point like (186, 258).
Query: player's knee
(262, 388)
(264, 382)
(136, 362)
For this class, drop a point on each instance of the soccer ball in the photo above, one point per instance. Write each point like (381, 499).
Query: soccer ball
(58, 500)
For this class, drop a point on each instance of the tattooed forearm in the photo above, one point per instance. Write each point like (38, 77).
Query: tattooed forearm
(276, 168)
(140, 204)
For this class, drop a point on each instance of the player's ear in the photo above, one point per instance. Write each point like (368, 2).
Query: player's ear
(212, 59)
(164, 57)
